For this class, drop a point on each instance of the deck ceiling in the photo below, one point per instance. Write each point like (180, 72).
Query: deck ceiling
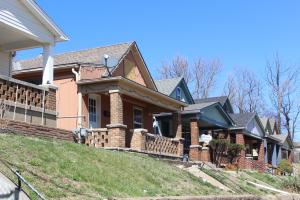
(11, 40)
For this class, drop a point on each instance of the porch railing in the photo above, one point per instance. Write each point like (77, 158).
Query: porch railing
(163, 145)
(98, 138)
(14, 91)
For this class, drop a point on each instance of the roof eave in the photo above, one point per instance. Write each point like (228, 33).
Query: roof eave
(119, 78)
(45, 20)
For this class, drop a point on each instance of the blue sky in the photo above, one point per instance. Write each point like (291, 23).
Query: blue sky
(239, 33)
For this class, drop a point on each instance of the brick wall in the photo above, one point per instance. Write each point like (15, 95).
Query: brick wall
(240, 139)
(116, 108)
(17, 127)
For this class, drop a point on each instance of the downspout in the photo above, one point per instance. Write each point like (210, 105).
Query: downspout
(79, 99)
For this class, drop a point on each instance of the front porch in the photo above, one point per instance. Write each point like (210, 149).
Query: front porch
(252, 157)
(119, 114)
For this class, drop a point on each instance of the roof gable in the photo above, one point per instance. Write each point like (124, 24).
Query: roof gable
(133, 67)
(45, 20)
(212, 111)
(223, 100)
(169, 86)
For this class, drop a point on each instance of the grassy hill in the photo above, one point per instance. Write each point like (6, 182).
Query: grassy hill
(64, 170)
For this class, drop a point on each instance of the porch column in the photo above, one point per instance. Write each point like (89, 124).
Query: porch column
(240, 139)
(195, 147)
(274, 156)
(266, 150)
(290, 156)
(48, 63)
(116, 128)
(177, 125)
(261, 156)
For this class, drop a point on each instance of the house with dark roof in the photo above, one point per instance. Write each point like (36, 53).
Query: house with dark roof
(200, 119)
(285, 151)
(175, 88)
(272, 144)
(249, 131)
(223, 100)
(109, 91)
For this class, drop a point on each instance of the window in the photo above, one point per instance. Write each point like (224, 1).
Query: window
(92, 110)
(137, 118)
(178, 93)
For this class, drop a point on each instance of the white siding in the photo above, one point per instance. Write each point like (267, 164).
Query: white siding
(254, 128)
(4, 63)
(16, 15)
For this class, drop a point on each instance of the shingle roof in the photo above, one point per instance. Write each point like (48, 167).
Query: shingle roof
(242, 119)
(281, 137)
(167, 86)
(198, 106)
(220, 99)
(264, 121)
(93, 55)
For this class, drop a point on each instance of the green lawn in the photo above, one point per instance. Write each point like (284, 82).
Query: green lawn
(274, 181)
(238, 184)
(64, 170)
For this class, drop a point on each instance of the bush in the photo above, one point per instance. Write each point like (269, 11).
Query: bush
(285, 166)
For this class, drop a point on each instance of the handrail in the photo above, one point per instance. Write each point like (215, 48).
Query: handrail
(22, 179)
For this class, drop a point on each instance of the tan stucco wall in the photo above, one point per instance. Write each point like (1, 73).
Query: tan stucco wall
(66, 103)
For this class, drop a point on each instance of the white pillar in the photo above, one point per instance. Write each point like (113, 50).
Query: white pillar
(47, 65)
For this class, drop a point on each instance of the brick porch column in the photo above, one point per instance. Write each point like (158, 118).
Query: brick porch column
(116, 128)
(290, 156)
(241, 140)
(177, 124)
(261, 156)
(195, 147)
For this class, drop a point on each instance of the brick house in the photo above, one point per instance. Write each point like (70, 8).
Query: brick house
(206, 118)
(115, 97)
(249, 132)
(24, 25)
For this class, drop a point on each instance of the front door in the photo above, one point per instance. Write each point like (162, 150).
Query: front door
(94, 111)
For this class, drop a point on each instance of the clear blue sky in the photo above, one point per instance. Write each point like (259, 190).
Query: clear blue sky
(240, 33)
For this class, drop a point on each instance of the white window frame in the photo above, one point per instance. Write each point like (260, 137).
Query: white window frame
(142, 116)
(95, 121)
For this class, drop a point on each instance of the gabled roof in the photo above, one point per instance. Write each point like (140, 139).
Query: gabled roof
(92, 55)
(37, 11)
(193, 108)
(221, 99)
(242, 119)
(199, 106)
(264, 121)
(281, 137)
(167, 86)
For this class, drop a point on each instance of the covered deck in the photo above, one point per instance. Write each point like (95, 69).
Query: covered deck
(122, 116)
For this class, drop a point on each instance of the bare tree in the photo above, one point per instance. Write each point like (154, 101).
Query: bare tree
(230, 89)
(205, 74)
(244, 91)
(179, 67)
(282, 87)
